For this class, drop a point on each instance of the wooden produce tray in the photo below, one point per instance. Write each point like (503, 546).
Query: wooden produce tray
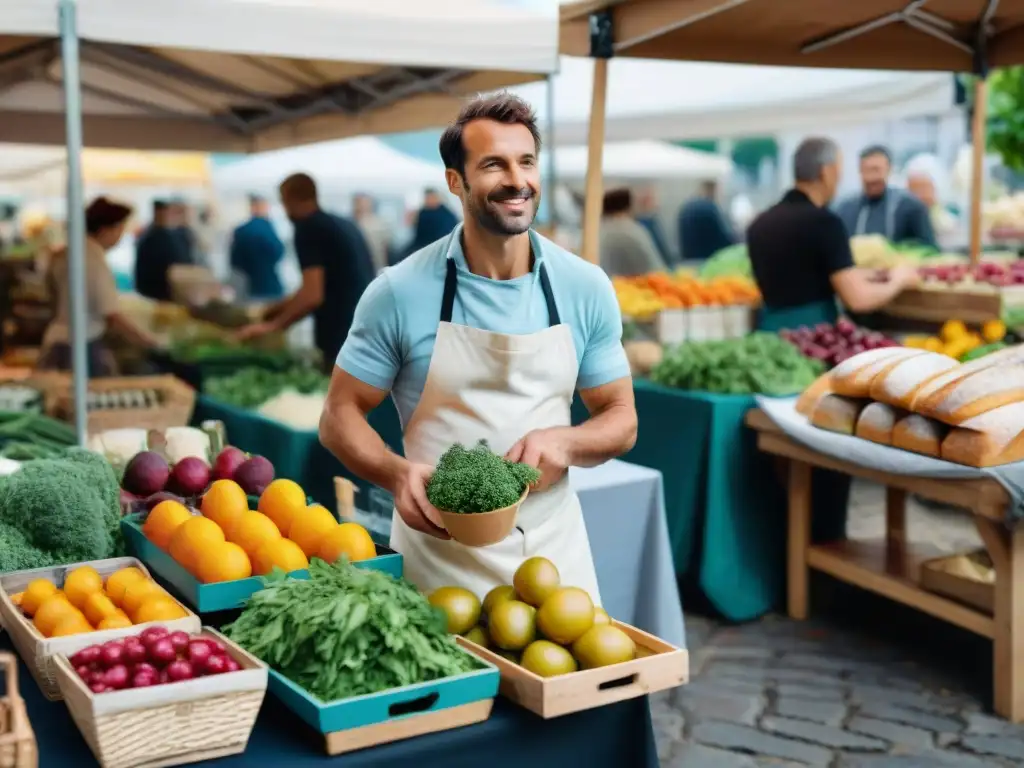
(658, 666)
(17, 740)
(937, 577)
(38, 651)
(175, 401)
(173, 724)
(938, 305)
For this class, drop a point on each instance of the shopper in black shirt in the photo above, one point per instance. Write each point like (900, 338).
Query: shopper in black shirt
(800, 251)
(336, 268)
(156, 251)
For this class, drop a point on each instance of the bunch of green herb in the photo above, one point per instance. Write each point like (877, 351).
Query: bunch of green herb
(477, 480)
(347, 632)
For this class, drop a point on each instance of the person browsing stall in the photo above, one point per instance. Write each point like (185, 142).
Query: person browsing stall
(257, 251)
(800, 251)
(486, 334)
(336, 268)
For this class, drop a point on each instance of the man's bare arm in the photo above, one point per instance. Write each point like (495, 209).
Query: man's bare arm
(611, 429)
(301, 303)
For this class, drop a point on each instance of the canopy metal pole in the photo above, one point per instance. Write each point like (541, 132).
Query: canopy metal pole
(552, 172)
(75, 213)
(978, 165)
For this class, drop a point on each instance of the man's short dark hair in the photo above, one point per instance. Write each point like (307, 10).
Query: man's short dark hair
(159, 206)
(617, 201)
(876, 149)
(103, 213)
(255, 198)
(299, 186)
(502, 108)
(812, 156)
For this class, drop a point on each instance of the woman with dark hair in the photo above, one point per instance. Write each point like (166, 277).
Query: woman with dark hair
(104, 225)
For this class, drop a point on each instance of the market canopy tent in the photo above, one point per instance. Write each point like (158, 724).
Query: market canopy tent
(643, 160)
(650, 99)
(253, 75)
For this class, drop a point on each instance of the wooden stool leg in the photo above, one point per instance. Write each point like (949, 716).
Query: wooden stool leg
(1006, 548)
(896, 522)
(799, 538)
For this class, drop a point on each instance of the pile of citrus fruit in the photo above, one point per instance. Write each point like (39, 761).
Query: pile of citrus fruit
(86, 603)
(229, 541)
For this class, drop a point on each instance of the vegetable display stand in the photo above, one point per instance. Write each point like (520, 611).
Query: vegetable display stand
(943, 576)
(937, 306)
(401, 713)
(17, 741)
(892, 567)
(225, 595)
(140, 402)
(173, 724)
(39, 652)
(657, 667)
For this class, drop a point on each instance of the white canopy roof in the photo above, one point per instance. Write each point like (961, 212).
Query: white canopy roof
(642, 160)
(650, 99)
(251, 75)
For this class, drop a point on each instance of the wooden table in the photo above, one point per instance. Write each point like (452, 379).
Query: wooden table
(891, 567)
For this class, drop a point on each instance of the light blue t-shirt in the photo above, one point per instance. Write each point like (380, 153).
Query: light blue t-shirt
(392, 335)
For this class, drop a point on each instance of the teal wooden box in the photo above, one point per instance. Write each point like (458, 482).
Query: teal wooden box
(387, 706)
(225, 595)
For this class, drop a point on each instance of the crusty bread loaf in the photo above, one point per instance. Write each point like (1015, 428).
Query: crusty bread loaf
(853, 377)
(989, 439)
(898, 385)
(810, 396)
(876, 422)
(975, 394)
(919, 434)
(837, 413)
(1004, 357)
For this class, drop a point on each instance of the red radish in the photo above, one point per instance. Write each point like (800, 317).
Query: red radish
(146, 474)
(161, 652)
(83, 672)
(134, 651)
(199, 652)
(116, 677)
(216, 646)
(191, 476)
(215, 665)
(227, 463)
(145, 679)
(232, 665)
(98, 687)
(179, 670)
(153, 633)
(179, 640)
(163, 679)
(111, 655)
(86, 656)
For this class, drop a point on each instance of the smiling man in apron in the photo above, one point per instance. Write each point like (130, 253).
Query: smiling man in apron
(486, 334)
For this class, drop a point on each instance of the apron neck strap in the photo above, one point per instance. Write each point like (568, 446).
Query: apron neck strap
(451, 278)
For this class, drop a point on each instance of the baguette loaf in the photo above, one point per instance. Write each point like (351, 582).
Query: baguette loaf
(989, 439)
(876, 422)
(837, 413)
(898, 385)
(917, 434)
(1004, 357)
(853, 377)
(975, 394)
(810, 396)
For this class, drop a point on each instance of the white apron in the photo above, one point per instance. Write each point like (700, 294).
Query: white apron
(496, 387)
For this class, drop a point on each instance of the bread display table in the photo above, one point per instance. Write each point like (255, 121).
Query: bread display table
(891, 567)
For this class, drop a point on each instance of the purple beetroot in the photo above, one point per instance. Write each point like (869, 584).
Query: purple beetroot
(147, 473)
(190, 476)
(255, 475)
(227, 463)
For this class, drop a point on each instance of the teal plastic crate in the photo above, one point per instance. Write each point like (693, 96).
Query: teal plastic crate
(225, 595)
(396, 704)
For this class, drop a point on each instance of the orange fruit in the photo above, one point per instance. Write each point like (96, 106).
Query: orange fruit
(349, 539)
(161, 607)
(281, 553)
(119, 581)
(97, 607)
(35, 593)
(163, 521)
(81, 583)
(252, 530)
(281, 501)
(54, 609)
(192, 538)
(223, 562)
(72, 624)
(309, 528)
(117, 621)
(137, 594)
(224, 503)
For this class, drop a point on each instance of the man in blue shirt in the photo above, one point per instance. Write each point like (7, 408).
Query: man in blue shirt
(256, 252)
(157, 250)
(703, 229)
(485, 335)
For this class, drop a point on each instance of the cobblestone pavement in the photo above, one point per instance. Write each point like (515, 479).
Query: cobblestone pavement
(837, 692)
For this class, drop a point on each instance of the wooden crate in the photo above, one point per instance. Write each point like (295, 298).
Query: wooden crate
(17, 740)
(172, 724)
(177, 400)
(935, 577)
(658, 666)
(938, 306)
(38, 651)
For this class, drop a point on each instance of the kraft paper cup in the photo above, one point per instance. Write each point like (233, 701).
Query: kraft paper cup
(481, 529)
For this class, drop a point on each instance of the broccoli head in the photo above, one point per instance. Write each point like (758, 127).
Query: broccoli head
(477, 480)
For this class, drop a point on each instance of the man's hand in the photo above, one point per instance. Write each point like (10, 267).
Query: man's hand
(255, 331)
(905, 275)
(412, 504)
(546, 450)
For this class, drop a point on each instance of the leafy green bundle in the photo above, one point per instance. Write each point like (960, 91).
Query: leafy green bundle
(347, 632)
(252, 387)
(477, 480)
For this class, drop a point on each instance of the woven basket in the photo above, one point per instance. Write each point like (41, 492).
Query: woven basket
(17, 741)
(177, 399)
(173, 724)
(38, 651)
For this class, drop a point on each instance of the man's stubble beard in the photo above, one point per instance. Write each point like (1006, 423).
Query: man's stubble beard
(492, 221)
